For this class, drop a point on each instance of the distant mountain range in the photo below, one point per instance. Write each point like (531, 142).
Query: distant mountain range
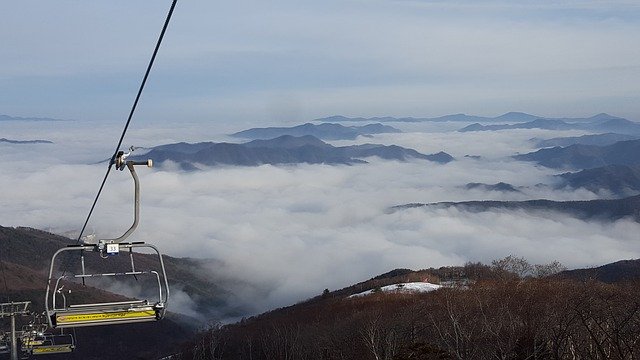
(508, 117)
(600, 123)
(321, 131)
(535, 124)
(280, 151)
(597, 139)
(606, 210)
(586, 156)
(620, 180)
(500, 187)
(9, 141)
(16, 118)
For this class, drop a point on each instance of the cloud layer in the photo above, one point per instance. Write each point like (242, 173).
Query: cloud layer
(285, 233)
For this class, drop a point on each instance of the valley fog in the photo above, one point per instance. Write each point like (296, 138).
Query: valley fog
(282, 234)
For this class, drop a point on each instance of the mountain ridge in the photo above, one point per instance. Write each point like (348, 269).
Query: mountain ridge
(612, 125)
(594, 139)
(325, 131)
(586, 156)
(17, 118)
(620, 180)
(600, 209)
(20, 142)
(282, 150)
(514, 116)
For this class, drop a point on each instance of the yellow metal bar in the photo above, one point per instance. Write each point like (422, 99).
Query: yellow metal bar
(104, 316)
(53, 349)
(32, 342)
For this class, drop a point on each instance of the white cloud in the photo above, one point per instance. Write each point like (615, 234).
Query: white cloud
(285, 233)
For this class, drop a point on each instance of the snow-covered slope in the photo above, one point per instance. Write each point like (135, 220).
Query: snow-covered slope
(412, 287)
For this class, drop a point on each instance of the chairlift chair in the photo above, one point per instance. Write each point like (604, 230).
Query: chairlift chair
(36, 341)
(60, 314)
(49, 344)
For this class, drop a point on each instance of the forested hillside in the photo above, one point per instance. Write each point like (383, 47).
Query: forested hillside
(497, 315)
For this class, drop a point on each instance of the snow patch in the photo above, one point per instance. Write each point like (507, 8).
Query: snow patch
(412, 287)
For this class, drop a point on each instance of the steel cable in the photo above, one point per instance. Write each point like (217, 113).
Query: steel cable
(126, 127)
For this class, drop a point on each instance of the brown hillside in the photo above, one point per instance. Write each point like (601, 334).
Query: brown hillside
(512, 318)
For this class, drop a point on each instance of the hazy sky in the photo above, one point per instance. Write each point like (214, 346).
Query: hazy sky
(292, 60)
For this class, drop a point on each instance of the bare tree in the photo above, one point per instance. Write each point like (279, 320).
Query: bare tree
(517, 266)
(454, 323)
(552, 268)
(380, 339)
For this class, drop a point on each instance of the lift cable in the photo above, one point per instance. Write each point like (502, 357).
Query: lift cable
(124, 131)
(133, 109)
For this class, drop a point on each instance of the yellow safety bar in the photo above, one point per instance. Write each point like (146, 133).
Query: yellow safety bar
(52, 349)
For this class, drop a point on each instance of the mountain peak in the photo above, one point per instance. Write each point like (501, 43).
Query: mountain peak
(517, 116)
(603, 116)
(512, 113)
(288, 141)
(338, 118)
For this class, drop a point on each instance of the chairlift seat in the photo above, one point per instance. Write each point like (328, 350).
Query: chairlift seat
(107, 314)
(52, 349)
(54, 344)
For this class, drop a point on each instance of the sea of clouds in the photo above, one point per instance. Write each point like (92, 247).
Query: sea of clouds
(281, 234)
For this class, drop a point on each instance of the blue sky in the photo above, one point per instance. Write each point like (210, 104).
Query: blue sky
(289, 61)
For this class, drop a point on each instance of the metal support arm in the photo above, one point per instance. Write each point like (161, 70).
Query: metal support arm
(136, 207)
